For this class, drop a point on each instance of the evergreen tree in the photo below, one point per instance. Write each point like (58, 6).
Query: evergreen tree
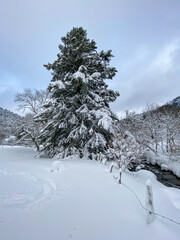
(78, 117)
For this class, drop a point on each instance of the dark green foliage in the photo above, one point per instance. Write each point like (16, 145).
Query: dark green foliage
(79, 120)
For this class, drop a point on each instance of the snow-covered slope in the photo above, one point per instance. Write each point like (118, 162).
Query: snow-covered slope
(80, 201)
(7, 123)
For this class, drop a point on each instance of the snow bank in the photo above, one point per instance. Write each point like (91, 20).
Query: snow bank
(164, 162)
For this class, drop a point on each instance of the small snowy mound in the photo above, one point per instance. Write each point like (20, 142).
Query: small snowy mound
(57, 166)
(144, 175)
(164, 167)
(139, 167)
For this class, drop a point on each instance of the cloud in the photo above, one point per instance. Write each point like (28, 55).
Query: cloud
(164, 61)
(143, 35)
(150, 77)
(9, 86)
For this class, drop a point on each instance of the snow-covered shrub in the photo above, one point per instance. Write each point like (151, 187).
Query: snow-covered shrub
(125, 150)
(157, 129)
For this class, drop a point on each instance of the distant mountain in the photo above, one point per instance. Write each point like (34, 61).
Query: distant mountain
(8, 120)
(175, 102)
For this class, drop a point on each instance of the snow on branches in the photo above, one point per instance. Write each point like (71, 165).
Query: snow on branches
(125, 150)
(78, 117)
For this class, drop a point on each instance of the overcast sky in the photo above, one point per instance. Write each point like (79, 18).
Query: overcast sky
(144, 36)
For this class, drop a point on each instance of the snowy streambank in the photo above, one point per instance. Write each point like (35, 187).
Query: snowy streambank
(163, 161)
(80, 201)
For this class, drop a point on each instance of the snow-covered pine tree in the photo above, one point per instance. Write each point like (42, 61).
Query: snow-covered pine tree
(78, 116)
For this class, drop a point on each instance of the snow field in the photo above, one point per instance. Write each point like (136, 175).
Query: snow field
(81, 201)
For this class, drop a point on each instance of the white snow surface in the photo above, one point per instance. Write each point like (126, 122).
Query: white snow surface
(81, 201)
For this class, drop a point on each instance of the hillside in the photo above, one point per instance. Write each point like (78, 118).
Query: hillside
(175, 102)
(8, 120)
(158, 130)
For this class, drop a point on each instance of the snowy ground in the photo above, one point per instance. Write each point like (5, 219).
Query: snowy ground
(81, 201)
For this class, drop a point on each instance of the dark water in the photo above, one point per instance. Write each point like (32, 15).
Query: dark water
(165, 177)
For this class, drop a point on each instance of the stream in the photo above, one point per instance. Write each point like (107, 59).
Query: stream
(165, 177)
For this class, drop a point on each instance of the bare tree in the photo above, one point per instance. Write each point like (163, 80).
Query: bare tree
(33, 101)
(157, 129)
(28, 131)
(125, 150)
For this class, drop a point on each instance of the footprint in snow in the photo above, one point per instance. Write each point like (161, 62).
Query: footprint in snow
(26, 190)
